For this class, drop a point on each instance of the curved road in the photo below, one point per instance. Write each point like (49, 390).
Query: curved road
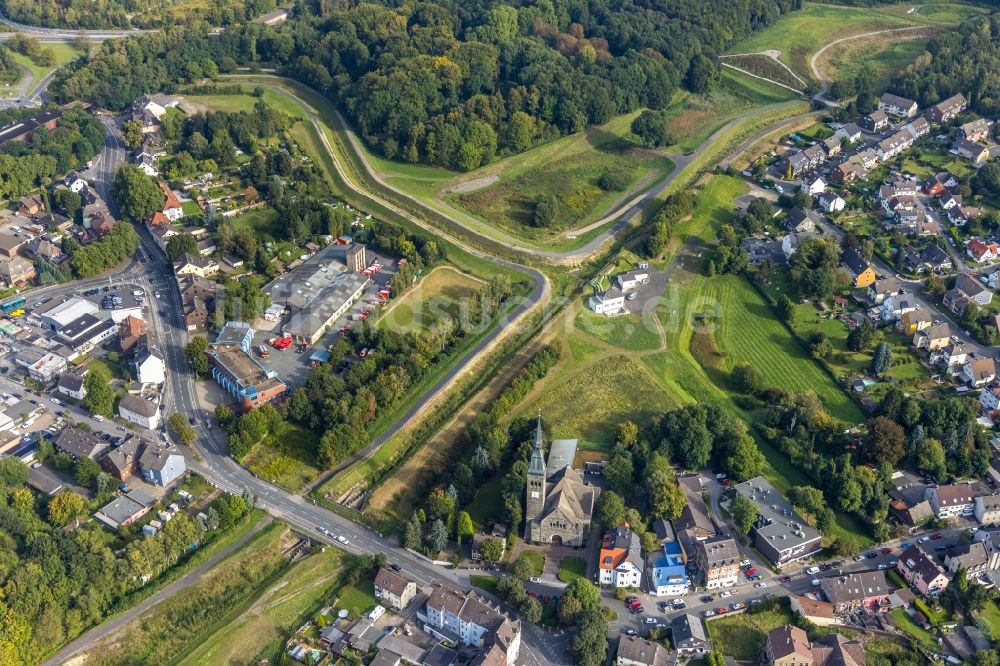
(62, 34)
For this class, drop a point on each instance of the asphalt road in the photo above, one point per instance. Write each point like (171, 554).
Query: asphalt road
(62, 35)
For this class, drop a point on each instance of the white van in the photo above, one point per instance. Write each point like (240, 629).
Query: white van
(97, 417)
(812, 570)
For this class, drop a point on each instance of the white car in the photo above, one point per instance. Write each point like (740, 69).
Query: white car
(709, 613)
(322, 530)
(759, 585)
(536, 579)
(817, 582)
(650, 620)
(676, 601)
(744, 563)
(725, 594)
(812, 570)
(923, 539)
(342, 540)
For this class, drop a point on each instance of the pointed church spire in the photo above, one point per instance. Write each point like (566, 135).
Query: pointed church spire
(537, 464)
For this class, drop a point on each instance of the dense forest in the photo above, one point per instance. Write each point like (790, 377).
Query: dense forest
(453, 84)
(97, 14)
(966, 60)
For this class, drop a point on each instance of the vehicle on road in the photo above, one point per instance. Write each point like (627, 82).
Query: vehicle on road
(536, 579)
(760, 585)
(785, 579)
(872, 555)
(812, 570)
(322, 530)
(709, 613)
(706, 599)
(886, 551)
(650, 620)
(55, 401)
(737, 606)
(923, 539)
(936, 536)
(342, 540)
(726, 594)
(677, 601)
(630, 632)
(395, 567)
(817, 582)
(679, 605)
(722, 611)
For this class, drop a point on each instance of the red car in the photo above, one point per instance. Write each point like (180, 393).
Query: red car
(721, 611)
(635, 604)
(886, 551)
(785, 579)
(533, 594)
(751, 572)
(726, 482)
(935, 537)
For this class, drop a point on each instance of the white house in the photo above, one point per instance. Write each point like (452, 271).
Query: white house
(74, 182)
(610, 302)
(987, 510)
(831, 202)
(451, 613)
(149, 368)
(620, 562)
(989, 398)
(138, 410)
(979, 371)
(71, 385)
(955, 499)
(813, 185)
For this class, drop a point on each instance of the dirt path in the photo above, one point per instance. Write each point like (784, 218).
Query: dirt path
(824, 83)
(627, 200)
(762, 78)
(774, 55)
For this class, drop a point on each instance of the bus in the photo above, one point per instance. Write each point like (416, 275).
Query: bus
(12, 304)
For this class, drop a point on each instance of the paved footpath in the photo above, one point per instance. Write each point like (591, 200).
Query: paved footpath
(109, 627)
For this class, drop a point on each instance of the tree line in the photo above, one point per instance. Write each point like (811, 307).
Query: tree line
(59, 582)
(446, 85)
(98, 14)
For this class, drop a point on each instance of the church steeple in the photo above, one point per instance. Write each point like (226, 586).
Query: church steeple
(537, 464)
(535, 492)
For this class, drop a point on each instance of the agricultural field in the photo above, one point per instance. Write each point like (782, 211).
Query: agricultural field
(571, 168)
(438, 296)
(800, 34)
(286, 459)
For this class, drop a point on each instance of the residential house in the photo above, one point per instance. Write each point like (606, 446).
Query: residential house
(939, 184)
(974, 289)
(394, 590)
(122, 461)
(788, 646)
(620, 561)
(848, 172)
(74, 182)
(779, 532)
(895, 105)
(849, 132)
(146, 161)
(972, 556)
(17, 271)
(909, 504)
(688, 635)
(989, 399)
(916, 320)
(149, 366)
(189, 264)
(893, 145)
(760, 250)
(910, 258)
(935, 258)
(125, 509)
(918, 128)
(951, 357)
(632, 280)
(818, 612)
(635, 651)
(831, 202)
(947, 109)
(979, 371)
(954, 499)
(895, 306)
(669, 575)
(800, 221)
(854, 591)
(161, 465)
(43, 248)
(959, 215)
(136, 409)
(880, 289)
(813, 185)
(695, 522)
(921, 571)
(974, 130)
(197, 301)
(718, 562)
(131, 332)
(950, 200)
(933, 337)
(831, 145)
(860, 269)
(71, 385)
(610, 302)
(971, 151)
(464, 617)
(207, 247)
(42, 366)
(876, 121)
(987, 509)
(835, 650)
(980, 251)
(31, 205)
(79, 444)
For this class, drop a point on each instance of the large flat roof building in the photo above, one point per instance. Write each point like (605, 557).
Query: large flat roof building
(318, 292)
(245, 379)
(780, 532)
(64, 313)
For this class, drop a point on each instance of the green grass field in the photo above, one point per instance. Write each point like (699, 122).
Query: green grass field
(537, 560)
(569, 168)
(907, 625)
(800, 34)
(742, 636)
(266, 623)
(245, 102)
(63, 53)
(437, 296)
(572, 568)
(486, 583)
(287, 459)
(630, 332)
(889, 57)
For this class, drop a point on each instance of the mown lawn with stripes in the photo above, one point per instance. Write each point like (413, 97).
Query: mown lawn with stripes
(748, 330)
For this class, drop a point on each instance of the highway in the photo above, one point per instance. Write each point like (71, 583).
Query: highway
(62, 34)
